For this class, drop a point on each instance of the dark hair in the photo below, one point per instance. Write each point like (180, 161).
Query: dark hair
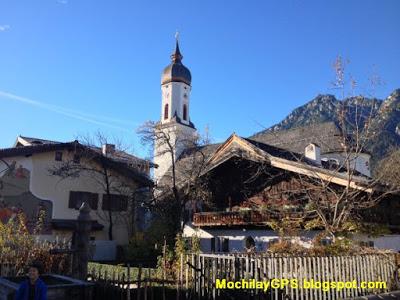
(37, 265)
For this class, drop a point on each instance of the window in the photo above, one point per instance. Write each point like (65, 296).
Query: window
(250, 243)
(166, 111)
(58, 156)
(184, 112)
(219, 244)
(333, 162)
(326, 242)
(115, 202)
(225, 245)
(213, 244)
(370, 244)
(77, 198)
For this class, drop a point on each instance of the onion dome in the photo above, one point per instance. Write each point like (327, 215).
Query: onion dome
(176, 71)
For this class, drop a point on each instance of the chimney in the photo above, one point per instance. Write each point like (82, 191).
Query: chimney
(313, 152)
(108, 149)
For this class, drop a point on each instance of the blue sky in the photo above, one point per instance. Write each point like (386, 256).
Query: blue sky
(74, 67)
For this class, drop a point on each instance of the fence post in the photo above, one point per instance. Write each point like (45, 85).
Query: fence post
(81, 243)
(128, 295)
(139, 282)
(164, 268)
(236, 268)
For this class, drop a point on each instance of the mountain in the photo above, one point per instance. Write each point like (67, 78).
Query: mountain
(383, 115)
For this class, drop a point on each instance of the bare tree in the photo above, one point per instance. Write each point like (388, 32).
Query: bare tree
(183, 181)
(104, 163)
(335, 194)
(338, 196)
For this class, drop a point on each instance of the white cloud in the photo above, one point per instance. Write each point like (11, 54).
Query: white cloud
(89, 118)
(62, 1)
(4, 27)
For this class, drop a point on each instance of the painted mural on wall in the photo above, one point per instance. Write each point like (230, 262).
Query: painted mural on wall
(16, 198)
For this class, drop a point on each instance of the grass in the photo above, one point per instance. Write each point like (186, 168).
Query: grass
(108, 271)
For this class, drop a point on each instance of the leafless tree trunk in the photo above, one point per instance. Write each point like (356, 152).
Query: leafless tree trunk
(182, 183)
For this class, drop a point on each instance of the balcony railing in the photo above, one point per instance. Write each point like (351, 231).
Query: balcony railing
(248, 217)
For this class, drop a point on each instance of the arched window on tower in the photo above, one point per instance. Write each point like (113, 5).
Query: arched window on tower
(184, 112)
(166, 111)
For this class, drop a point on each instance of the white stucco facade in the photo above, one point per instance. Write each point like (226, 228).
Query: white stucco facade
(45, 186)
(262, 237)
(237, 237)
(359, 162)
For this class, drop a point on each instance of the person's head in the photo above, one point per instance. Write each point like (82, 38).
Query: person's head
(34, 271)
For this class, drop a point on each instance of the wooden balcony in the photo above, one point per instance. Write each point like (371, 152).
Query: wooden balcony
(248, 217)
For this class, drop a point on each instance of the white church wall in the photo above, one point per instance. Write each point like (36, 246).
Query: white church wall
(177, 133)
(175, 94)
(165, 99)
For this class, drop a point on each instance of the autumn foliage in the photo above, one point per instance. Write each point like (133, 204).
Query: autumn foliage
(18, 248)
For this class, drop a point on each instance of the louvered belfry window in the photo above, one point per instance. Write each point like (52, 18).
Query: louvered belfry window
(184, 112)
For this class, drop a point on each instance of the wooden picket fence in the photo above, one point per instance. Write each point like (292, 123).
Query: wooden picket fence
(129, 283)
(200, 272)
(197, 274)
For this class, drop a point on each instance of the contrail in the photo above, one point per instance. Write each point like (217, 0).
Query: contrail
(90, 118)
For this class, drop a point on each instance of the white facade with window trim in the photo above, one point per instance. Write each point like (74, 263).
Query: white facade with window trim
(26, 176)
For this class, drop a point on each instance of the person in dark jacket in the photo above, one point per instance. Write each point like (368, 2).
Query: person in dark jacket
(33, 288)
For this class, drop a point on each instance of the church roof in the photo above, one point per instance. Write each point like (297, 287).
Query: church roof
(176, 71)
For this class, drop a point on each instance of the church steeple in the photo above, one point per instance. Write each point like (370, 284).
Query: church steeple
(176, 71)
(175, 110)
(176, 57)
(176, 87)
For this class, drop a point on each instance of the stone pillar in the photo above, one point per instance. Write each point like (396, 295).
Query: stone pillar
(81, 243)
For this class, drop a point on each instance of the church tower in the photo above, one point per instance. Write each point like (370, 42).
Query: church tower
(175, 124)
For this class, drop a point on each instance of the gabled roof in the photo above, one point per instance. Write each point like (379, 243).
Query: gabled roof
(121, 156)
(30, 141)
(36, 148)
(117, 165)
(246, 148)
(281, 159)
